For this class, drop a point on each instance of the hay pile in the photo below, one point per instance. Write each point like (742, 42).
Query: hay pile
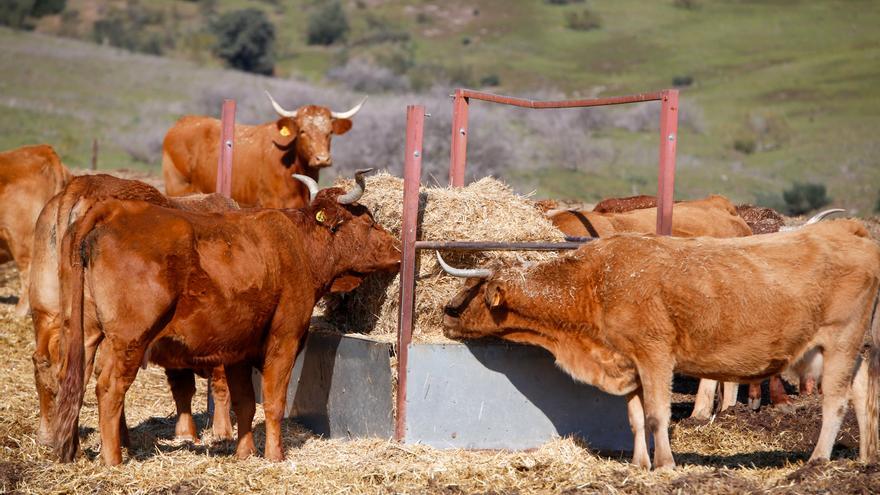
(486, 210)
(760, 220)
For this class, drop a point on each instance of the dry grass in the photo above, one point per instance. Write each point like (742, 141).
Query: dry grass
(486, 210)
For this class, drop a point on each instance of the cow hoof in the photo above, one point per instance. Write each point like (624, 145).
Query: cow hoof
(754, 404)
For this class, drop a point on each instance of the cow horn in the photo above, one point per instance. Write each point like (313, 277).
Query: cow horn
(349, 114)
(310, 183)
(359, 187)
(819, 216)
(279, 109)
(463, 272)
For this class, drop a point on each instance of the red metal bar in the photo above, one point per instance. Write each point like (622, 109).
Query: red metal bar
(415, 122)
(458, 153)
(501, 246)
(666, 172)
(590, 102)
(227, 138)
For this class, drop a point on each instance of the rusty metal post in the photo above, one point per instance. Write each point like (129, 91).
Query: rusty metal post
(666, 172)
(95, 154)
(227, 138)
(415, 121)
(458, 153)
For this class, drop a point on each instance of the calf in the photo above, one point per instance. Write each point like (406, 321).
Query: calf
(29, 177)
(625, 313)
(195, 290)
(62, 213)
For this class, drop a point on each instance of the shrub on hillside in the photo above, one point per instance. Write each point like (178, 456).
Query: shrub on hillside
(804, 197)
(48, 7)
(245, 41)
(137, 28)
(327, 25)
(562, 2)
(686, 4)
(582, 21)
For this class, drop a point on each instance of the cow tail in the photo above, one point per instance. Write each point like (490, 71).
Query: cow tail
(872, 443)
(72, 265)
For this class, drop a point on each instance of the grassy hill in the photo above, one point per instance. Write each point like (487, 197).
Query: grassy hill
(781, 90)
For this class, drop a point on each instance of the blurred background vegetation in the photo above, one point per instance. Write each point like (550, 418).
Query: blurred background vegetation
(780, 98)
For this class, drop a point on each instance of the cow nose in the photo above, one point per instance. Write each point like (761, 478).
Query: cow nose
(322, 160)
(452, 311)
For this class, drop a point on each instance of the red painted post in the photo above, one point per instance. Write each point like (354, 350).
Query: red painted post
(666, 172)
(415, 121)
(227, 138)
(458, 153)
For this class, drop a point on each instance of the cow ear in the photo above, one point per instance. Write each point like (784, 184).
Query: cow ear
(345, 283)
(286, 127)
(494, 295)
(341, 126)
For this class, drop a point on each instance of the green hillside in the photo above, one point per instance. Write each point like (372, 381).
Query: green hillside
(780, 90)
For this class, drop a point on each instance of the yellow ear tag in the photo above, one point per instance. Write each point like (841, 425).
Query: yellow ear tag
(320, 217)
(285, 131)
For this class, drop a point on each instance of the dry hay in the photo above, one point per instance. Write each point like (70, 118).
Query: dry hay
(486, 210)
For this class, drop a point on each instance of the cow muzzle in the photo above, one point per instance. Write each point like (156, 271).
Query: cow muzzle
(320, 161)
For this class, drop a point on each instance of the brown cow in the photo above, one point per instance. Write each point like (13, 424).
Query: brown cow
(625, 313)
(235, 288)
(62, 211)
(264, 157)
(713, 216)
(29, 177)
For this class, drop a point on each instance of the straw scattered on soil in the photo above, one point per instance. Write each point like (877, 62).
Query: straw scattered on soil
(486, 210)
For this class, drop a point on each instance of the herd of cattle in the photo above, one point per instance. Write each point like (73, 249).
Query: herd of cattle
(116, 275)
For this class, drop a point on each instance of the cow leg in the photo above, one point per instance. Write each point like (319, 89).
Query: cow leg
(183, 388)
(281, 353)
(241, 388)
(755, 395)
(45, 359)
(221, 424)
(124, 439)
(728, 395)
(859, 396)
(118, 371)
(705, 399)
(837, 376)
(778, 397)
(657, 393)
(636, 414)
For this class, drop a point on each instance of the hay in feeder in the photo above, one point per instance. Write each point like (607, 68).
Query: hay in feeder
(486, 210)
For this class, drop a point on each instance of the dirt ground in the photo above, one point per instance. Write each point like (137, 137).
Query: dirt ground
(740, 451)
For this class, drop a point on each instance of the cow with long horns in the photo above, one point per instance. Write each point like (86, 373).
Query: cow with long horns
(626, 312)
(235, 288)
(264, 157)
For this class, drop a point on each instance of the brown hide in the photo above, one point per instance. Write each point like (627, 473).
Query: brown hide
(29, 177)
(80, 194)
(233, 289)
(620, 205)
(264, 157)
(624, 313)
(713, 216)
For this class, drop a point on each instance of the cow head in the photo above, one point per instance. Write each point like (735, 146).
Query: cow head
(360, 246)
(482, 307)
(309, 130)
